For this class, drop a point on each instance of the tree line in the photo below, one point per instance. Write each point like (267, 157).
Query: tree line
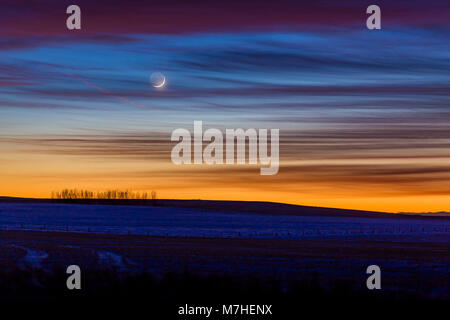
(80, 194)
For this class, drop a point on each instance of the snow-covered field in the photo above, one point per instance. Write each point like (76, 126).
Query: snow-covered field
(165, 221)
(413, 252)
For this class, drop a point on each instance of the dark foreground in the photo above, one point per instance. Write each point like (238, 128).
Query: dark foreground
(159, 274)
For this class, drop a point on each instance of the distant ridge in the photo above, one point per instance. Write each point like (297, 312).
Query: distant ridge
(285, 209)
(228, 206)
(427, 214)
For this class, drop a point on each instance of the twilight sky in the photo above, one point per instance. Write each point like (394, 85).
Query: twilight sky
(364, 116)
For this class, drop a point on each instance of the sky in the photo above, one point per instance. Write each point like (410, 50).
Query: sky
(364, 115)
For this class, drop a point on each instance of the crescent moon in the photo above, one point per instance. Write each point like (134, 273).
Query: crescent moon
(161, 84)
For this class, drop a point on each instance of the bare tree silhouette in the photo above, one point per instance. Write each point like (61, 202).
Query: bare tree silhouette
(76, 194)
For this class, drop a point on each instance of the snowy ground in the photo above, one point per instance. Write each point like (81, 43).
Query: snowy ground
(414, 266)
(165, 221)
(413, 252)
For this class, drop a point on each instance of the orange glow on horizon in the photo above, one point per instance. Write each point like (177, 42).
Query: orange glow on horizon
(313, 183)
